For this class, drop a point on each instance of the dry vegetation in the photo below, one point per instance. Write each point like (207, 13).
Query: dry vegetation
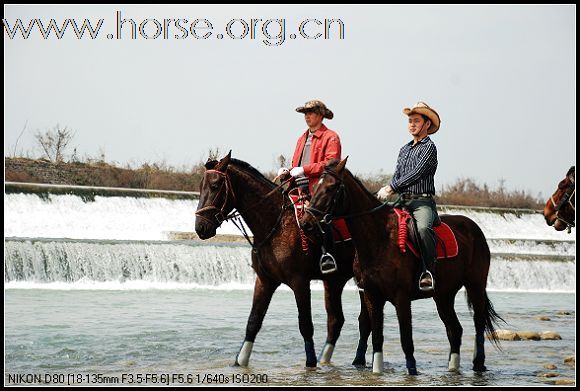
(161, 176)
(53, 169)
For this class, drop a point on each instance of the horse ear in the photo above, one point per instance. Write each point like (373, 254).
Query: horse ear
(223, 164)
(210, 164)
(341, 164)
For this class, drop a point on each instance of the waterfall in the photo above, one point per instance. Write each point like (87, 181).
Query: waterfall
(47, 261)
(71, 240)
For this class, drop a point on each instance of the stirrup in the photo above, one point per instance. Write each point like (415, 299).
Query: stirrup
(327, 259)
(427, 288)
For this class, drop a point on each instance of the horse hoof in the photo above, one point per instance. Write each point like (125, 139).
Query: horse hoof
(311, 364)
(412, 371)
(479, 368)
(359, 362)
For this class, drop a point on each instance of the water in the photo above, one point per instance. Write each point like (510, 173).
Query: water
(199, 331)
(99, 291)
(126, 218)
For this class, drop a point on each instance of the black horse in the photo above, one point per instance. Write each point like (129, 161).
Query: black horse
(277, 254)
(387, 274)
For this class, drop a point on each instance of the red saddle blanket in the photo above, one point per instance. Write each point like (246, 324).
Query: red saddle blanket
(446, 242)
(340, 231)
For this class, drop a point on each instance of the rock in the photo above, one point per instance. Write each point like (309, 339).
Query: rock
(549, 374)
(564, 381)
(550, 366)
(563, 312)
(529, 335)
(510, 335)
(570, 360)
(506, 335)
(542, 317)
(550, 335)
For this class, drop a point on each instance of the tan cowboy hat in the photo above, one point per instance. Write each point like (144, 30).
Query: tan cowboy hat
(423, 109)
(316, 106)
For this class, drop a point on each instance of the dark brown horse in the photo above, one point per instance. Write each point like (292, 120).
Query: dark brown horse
(277, 253)
(386, 274)
(560, 209)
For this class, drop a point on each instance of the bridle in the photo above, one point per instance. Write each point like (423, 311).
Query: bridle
(220, 216)
(235, 216)
(328, 216)
(566, 198)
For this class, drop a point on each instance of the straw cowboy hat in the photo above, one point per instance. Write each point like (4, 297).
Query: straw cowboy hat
(316, 106)
(423, 109)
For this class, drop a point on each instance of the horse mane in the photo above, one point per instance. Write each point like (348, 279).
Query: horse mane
(331, 167)
(252, 171)
(572, 170)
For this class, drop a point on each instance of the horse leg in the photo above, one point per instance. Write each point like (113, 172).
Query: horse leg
(302, 296)
(403, 306)
(364, 328)
(477, 298)
(452, 326)
(335, 317)
(263, 291)
(375, 307)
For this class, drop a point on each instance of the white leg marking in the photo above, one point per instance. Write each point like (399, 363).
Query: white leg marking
(378, 364)
(454, 362)
(326, 353)
(244, 355)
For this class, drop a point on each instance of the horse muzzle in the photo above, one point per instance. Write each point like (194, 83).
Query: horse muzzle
(205, 230)
(559, 225)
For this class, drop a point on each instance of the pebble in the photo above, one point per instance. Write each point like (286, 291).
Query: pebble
(564, 381)
(570, 360)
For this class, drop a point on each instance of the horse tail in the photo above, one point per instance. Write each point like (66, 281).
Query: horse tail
(491, 318)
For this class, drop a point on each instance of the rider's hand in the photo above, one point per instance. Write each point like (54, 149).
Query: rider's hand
(384, 193)
(296, 171)
(283, 171)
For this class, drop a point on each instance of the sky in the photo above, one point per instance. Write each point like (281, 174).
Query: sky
(501, 77)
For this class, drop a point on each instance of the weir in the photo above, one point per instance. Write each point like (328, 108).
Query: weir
(71, 238)
(212, 265)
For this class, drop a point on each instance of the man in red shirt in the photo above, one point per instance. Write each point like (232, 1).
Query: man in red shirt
(317, 146)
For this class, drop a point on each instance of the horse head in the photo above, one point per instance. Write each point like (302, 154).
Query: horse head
(216, 197)
(560, 209)
(328, 198)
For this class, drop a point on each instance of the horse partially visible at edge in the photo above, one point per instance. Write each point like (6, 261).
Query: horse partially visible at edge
(560, 209)
(277, 254)
(387, 274)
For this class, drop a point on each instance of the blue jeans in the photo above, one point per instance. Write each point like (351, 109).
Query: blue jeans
(424, 212)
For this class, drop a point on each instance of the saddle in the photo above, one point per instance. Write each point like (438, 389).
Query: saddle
(340, 231)
(446, 242)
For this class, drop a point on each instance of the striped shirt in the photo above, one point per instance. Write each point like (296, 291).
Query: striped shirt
(416, 168)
